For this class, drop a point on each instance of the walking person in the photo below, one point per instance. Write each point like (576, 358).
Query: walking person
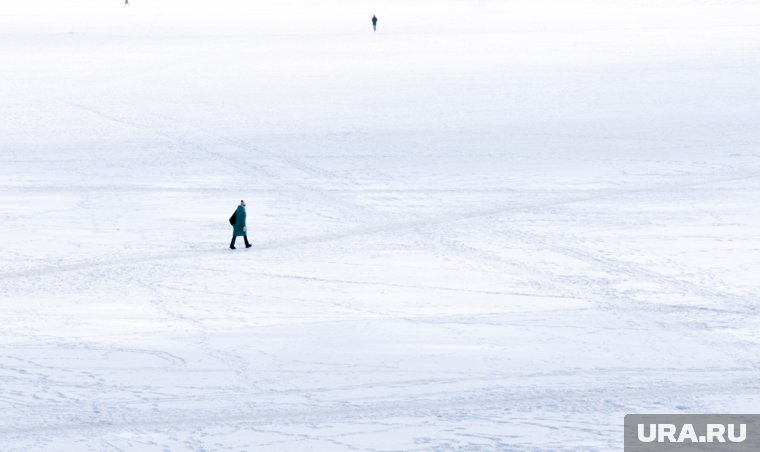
(237, 220)
(374, 22)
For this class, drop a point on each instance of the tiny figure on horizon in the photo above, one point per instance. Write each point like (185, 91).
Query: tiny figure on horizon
(237, 220)
(126, 2)
(374, 22)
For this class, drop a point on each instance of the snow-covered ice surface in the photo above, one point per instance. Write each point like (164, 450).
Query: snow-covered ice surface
(489, 225)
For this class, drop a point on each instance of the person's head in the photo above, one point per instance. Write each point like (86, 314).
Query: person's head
(242, 203)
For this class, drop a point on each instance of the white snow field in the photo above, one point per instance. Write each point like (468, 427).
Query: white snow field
(490, 225)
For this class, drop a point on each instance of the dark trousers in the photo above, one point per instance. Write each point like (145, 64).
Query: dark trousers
(245, 237)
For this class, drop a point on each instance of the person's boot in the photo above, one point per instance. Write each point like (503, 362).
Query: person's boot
(232, 247)
(247, 245)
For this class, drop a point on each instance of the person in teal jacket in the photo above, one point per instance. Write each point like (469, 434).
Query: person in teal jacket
(239, 227)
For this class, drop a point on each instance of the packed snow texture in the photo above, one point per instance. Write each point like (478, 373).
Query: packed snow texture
(489, 225)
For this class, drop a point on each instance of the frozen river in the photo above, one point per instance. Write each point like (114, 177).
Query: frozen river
(487, 226)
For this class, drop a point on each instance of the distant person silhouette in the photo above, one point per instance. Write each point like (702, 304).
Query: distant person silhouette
(126, 2)
(374, 22)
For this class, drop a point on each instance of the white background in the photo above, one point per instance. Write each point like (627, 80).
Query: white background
(488, 225)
